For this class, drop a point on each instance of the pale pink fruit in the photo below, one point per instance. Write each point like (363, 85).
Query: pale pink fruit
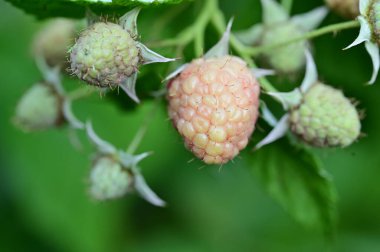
(214, 105)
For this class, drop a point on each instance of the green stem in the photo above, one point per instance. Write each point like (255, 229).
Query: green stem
(192, 32)
(287, 4)
(316, 33)
(167, 18)
(219, 23)
(143, 129)
(81, 93)
(199, 44)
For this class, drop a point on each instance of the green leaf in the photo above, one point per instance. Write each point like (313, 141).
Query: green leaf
(77, 8)
(295, 178)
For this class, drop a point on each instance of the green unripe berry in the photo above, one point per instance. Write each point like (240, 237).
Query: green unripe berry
(108, 179)
(105, 55)
(54, 40)
(39, 108)
(284, 59)
(325, 118)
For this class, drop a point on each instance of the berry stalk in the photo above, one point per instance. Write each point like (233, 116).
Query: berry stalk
(193, 32)
(143, 129)
(254, 51)
(80, 93)
(219, 23)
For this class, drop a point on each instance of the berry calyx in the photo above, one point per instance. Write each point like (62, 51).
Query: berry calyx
(213, 104)
(325, 118)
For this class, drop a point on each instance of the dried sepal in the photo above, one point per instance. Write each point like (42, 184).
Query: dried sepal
(175, 72)
(273, 12)
(91, 17)
(267, 115)
(287, 99)
(148, 56)
(221, 48)
(143, 189)
(51, 75)
(260, 72)
(250, 36)
(73, 121)
(373, 51)
(129, 87)
(364, 33)
(368, 33)
(102, 146)
(310, 20)
(129, 22)
(311, 74)
(278, 131)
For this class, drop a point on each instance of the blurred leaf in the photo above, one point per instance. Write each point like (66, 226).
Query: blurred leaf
(296, 179)
(76, 8)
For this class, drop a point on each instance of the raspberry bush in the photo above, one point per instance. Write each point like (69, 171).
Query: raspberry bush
(226, 90)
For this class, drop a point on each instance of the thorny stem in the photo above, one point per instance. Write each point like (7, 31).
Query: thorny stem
(253, 51)
(143, 129)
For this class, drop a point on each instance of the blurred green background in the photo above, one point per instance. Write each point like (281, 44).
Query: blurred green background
(44, 205)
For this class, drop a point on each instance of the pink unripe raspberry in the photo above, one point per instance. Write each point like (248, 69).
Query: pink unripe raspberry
(214, 105)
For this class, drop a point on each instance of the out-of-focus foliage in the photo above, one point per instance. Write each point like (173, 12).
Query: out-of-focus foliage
(77, 8)
(297, 181)
(44, 205)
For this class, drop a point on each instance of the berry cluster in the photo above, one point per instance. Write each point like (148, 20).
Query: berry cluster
(213, 101)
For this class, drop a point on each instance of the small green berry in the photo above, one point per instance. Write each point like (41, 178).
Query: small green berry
(285, 59)
(325, 118)
(105, 55)
(39, 108)
(108, 179)
(54, 40)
